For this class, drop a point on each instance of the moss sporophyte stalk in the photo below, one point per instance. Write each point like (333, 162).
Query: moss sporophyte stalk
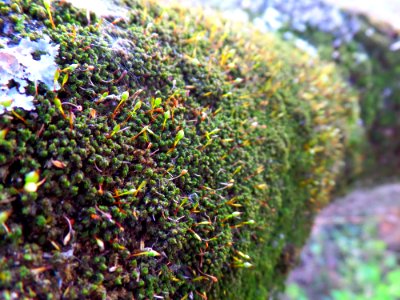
(163, 154)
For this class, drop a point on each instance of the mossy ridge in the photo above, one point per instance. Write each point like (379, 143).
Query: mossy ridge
(264, 133)
(369, 63)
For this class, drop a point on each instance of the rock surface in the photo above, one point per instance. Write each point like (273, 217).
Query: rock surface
(385, 11)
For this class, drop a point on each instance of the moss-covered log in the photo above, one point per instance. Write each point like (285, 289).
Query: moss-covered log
(174, 156)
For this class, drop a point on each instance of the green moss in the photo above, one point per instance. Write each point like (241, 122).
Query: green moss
(371, 67)
(130, 204)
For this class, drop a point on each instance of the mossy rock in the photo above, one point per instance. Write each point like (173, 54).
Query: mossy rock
(177, 157)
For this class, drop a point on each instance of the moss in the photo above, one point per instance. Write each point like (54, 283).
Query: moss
(130, 204)
(369, 63)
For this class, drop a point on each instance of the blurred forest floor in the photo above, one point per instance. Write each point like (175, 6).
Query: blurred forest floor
(354, 249)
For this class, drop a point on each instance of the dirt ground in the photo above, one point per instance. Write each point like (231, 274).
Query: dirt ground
(381, 203)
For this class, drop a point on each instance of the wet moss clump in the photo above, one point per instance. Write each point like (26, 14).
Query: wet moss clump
(178, 156)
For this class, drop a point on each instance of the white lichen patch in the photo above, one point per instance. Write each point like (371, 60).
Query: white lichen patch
(27, 62)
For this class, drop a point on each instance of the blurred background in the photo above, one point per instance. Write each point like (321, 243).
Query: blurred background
(354, 249)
